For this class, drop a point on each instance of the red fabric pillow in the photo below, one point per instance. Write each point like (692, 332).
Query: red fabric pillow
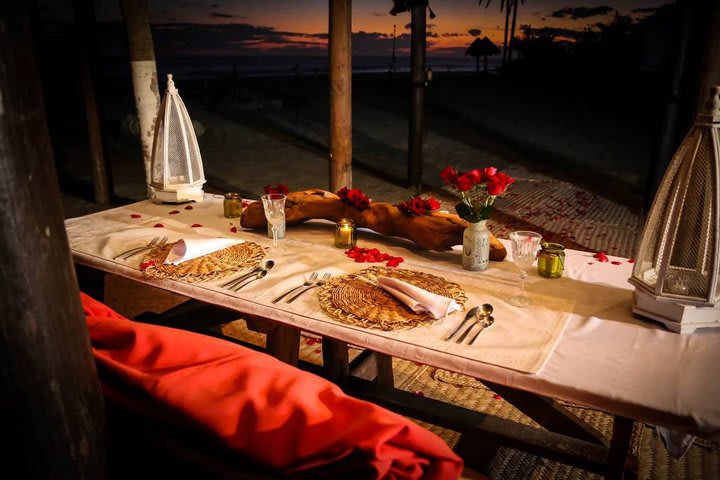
(290, 420)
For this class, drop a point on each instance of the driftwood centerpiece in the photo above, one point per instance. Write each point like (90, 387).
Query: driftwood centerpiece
(435, 231)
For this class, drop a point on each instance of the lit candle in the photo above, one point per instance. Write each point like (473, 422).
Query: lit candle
(345, 233)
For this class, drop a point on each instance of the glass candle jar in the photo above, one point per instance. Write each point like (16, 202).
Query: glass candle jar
(232, 205)
(551, 260)
(345, 236)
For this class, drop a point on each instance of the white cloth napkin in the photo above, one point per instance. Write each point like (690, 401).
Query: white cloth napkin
(189, 248)
(417, 299)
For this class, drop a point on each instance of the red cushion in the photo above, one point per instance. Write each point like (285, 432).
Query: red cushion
(282, 417)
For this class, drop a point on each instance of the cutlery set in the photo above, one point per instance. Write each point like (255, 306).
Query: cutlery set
(482, 317)
(262, 270)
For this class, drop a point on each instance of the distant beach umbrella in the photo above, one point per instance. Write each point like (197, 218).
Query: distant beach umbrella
(481, 48)
(177, 169)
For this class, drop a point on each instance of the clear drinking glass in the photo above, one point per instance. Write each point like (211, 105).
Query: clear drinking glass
(524, 249)
(274, 206)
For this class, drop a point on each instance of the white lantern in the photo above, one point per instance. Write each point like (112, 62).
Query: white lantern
(676, 270)
(177, 169)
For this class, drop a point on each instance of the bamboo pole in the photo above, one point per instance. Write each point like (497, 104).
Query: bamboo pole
(84, 14)
(144, 73)
(52, 408)
(418, 27)
(340, 77)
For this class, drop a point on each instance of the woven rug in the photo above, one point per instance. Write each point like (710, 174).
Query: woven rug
(701, 462)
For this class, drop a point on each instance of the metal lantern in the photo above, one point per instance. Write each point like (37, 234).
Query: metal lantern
(177, 170)
(676, 270)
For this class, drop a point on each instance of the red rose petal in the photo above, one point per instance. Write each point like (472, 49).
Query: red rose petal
(158, 225)
(195, 225)
(233, 229)
(174, 212)
(419, 393)
(616, 263)
(497, 397)
(317, 350)
(632, 260)
(135, 215)
(188, 207)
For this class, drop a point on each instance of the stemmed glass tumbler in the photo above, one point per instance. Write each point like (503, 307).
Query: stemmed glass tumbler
(274, 206)
(524, 249)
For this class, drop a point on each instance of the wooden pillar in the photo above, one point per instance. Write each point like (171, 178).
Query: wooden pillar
(51, 406)
(417, 101)
(84, 13)
(144, 73)
(340, 76)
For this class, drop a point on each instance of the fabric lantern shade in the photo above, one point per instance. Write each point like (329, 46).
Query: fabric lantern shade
(177, 170)
(676, 270)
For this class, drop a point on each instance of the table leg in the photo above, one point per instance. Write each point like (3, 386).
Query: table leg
(619, 446)
(384, 370)
(336, 362)
(283, 343)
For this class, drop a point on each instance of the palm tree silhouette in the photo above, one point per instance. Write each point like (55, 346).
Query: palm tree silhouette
(509, 6)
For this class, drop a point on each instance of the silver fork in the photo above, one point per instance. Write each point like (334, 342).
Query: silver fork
(320, 283)
(162, 241)
(311, 279)
(150, 244)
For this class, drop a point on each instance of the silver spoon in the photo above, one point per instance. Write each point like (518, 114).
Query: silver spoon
(258, 276)
(475, 313)
(485, 324)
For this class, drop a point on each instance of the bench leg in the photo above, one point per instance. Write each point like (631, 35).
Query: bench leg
(619, 447)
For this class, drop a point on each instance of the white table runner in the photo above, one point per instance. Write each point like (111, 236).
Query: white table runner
(521, 338)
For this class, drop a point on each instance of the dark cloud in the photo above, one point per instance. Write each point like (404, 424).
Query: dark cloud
(215, 5)
(379, 14)
(581, 12)
(429, 26)
(474, 32)
(556, 32)
(453, 34)
(645, 10)
(223, 15)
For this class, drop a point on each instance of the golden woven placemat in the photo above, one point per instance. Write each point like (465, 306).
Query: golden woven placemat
(208, 267)
(357, 299)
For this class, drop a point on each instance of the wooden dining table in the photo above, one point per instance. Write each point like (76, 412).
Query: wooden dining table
(593, 351)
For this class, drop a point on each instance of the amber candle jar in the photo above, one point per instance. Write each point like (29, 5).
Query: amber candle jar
(345, 233)
(232, 205)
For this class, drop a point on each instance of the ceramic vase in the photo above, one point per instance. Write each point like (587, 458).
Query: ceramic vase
(476, 247)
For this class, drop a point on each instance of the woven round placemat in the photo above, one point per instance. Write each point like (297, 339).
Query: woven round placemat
(208, 267)
(357, 299)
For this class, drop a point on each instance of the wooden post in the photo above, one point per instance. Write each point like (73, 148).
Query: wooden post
(340, 76)
(144, 73)
(51, 406)
(84, 13)
(417, 101)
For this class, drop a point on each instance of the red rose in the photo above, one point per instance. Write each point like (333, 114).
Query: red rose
(354, 195)
(449, 176)
(489, 172)
(395, 261)
(432, 204)
(494, 187)
(417, 205)
(279, 188)
(466, 181)
(342, 193)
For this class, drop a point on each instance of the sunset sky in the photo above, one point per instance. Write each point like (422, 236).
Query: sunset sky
(298, 27)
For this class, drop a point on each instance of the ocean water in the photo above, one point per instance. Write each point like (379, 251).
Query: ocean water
(213, 66)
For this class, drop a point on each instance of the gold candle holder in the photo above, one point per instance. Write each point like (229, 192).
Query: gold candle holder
(345, 233)
(232, 205)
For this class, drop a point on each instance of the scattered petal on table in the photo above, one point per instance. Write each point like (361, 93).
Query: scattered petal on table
(158, 225)
(195, 225)
(135, 215)
(188, 207)
(174, 212)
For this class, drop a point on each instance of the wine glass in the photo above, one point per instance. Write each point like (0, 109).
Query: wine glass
(524, 249)
(274, 206)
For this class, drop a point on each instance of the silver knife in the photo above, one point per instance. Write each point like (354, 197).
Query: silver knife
(470, 314)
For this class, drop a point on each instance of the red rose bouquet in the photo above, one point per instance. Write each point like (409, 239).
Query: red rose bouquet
(478, 190)
(418, 206)
(354, 197)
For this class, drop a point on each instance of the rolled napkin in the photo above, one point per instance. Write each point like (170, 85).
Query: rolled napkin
(417, 299)
(190, 248)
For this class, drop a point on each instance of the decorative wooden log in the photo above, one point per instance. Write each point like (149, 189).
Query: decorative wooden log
(435, 231)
